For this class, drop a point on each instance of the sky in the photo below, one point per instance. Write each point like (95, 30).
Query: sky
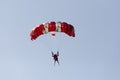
(93, 54)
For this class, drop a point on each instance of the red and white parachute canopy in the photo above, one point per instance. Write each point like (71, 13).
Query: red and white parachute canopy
(52, 27)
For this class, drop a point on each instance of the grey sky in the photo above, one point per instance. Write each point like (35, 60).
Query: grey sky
(94, 54)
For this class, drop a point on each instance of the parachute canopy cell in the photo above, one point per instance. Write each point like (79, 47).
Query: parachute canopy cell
(52, 27)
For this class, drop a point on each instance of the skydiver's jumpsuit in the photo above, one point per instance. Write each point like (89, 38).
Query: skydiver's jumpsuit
(55, 56)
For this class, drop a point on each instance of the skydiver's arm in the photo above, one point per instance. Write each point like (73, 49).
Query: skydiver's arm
(57, 53)
(52, 54)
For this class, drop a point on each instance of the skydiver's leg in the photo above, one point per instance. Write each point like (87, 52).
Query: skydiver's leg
(58, 62)
(54, 62)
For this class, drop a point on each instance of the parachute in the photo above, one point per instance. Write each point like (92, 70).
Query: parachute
(52, 27)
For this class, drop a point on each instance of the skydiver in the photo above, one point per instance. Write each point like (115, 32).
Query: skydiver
(55, 57)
